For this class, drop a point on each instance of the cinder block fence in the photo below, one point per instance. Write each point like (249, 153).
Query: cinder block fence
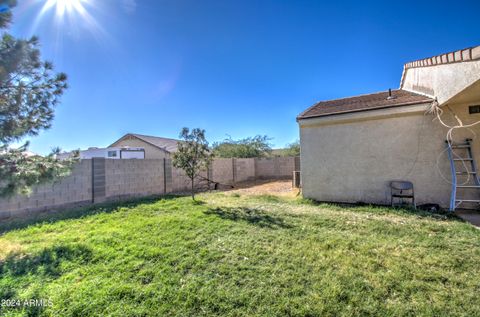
(100, 180)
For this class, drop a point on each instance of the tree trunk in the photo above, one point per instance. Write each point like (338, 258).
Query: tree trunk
(193, 188)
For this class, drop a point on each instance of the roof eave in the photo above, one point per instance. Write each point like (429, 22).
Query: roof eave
(150, 143)
(363, 110)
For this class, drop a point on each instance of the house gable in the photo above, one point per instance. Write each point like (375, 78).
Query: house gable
(444, 76)
(152, 151)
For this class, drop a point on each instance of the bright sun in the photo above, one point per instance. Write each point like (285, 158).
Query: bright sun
(65, 6)
(70, 17)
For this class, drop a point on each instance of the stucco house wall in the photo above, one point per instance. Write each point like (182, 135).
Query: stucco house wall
(151, 152)
(443, 81)
(351, 149)
(353, 157)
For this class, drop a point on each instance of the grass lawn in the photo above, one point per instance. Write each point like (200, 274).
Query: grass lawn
(241, 255)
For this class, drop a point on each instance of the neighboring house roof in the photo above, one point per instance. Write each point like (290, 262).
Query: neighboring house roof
(30, 154)
(363, 103)
(165, 144)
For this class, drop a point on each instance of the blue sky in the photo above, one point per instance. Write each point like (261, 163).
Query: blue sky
(236, 68)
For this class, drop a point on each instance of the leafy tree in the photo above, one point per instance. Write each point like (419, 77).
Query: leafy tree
(256, 146)
(192, 155)
(5, 13)
(29, 92)
(292, 149)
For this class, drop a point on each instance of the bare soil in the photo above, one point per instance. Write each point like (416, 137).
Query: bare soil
(265, 187)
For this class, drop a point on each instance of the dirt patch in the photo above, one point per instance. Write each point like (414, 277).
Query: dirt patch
(265, 187)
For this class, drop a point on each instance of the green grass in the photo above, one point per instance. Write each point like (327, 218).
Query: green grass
(242, 256)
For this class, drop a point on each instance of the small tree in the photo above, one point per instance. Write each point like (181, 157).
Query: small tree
(192, 155)
(29, 92)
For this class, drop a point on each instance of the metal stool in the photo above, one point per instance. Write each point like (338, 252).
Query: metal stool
(402, 190)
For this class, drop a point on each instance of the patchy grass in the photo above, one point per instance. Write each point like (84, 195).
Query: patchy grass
(242, 255)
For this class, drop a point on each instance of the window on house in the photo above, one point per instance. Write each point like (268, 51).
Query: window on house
(112, 154)
(474, 109)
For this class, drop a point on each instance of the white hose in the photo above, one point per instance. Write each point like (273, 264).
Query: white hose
(437, 111)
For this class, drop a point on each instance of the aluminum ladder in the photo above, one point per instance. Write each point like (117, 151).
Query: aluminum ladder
(465, 171)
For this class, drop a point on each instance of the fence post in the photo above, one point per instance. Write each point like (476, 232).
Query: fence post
(234, 172)
(210, 175)
(93, 178)
(164, 176)
(297, 163)
(168, 174)
(98, 179)
(255, 175)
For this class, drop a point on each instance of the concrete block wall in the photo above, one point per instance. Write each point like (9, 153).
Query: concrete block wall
(265, 167)
(132, 178)
(222, 171)
(181, 183)
(75, 188)
(175, 179)
(284, 166)
(277, 167)
(99, 180)
(244, 169)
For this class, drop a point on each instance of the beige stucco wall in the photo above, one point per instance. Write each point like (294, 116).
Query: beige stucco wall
(353, 157)
(442, 81)
(151, 152)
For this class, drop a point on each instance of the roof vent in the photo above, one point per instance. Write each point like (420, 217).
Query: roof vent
(390, 94)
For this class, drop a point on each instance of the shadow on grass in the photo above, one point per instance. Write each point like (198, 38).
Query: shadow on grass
(197, 202)
(79, 212)
(382, 209)
(269, 198)
(46, 263)
(250, 215)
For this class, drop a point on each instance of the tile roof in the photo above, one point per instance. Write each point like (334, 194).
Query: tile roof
(169, 145)
(364, 103)
(465, 55)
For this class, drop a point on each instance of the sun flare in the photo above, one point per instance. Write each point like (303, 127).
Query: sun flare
(70, 17)
(63, 7)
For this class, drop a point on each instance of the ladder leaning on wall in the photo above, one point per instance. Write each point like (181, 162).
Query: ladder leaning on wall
(463, 166)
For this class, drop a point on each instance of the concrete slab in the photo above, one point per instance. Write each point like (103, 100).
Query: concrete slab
(471, 216)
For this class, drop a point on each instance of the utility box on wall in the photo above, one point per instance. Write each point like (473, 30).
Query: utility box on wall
(296, 179)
